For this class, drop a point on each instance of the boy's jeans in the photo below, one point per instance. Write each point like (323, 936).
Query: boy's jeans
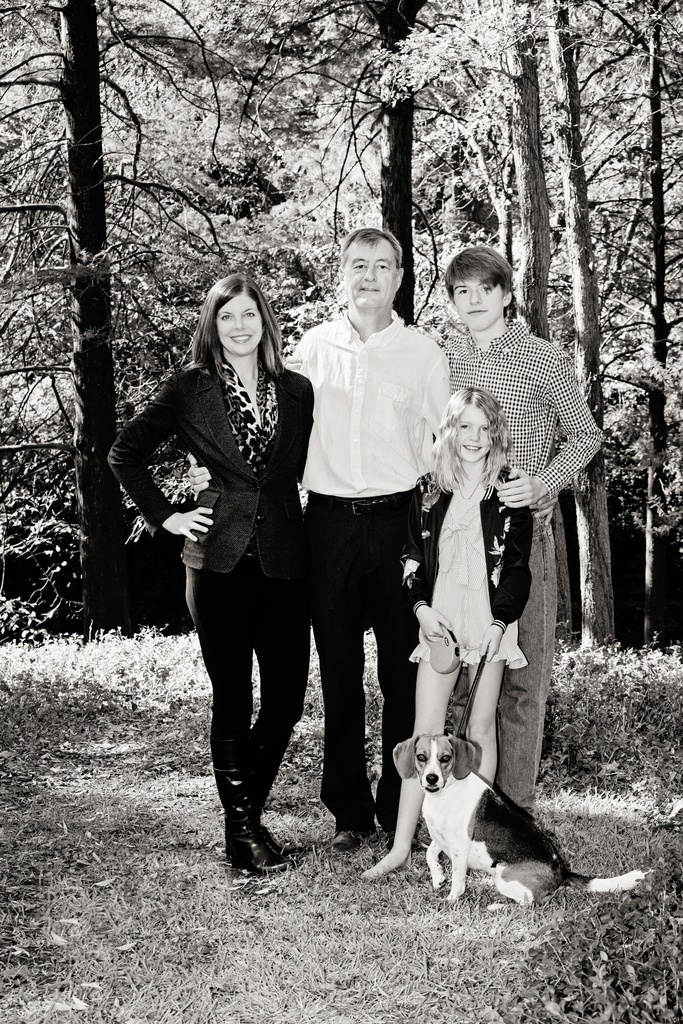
(525, 690)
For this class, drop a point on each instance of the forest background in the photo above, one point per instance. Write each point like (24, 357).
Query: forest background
(147, 149)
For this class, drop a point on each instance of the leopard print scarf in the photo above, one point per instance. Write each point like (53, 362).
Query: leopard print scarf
(253, 440)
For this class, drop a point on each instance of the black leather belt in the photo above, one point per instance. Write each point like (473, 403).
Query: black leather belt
(362, 506)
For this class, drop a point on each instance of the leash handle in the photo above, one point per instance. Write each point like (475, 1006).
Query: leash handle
(470, 697)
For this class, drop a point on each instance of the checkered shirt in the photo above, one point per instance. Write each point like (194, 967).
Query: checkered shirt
(535, 383)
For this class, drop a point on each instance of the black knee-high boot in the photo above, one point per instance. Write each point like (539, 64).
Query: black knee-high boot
(245, 841)
(266, 764)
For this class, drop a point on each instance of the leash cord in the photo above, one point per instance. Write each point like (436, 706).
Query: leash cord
(470, 697)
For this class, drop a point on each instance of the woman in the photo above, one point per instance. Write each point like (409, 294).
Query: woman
(247, 419)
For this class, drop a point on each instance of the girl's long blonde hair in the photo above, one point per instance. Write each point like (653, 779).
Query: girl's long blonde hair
(446, 462)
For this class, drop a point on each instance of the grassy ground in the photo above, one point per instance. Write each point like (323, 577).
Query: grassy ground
(118, 904)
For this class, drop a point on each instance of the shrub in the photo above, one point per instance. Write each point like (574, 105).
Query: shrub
(615, 717)
(620, 963)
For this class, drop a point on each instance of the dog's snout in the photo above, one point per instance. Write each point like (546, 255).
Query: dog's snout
(432, 778)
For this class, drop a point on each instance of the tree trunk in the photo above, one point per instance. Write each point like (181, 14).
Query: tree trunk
(534, 266)
(530, 302)
(564, 596)
(655, 529)
(396, 21)
(103, 565)
(597, 597)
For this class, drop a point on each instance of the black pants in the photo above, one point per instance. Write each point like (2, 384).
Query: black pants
(355, 573)
(240, 613)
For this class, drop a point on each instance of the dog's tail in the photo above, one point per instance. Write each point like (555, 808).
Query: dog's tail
(619, 883)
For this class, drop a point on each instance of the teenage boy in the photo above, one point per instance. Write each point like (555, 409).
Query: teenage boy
(535, 383)
(379, 389)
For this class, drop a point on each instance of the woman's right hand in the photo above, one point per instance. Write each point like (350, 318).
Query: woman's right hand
(183, 523)
(432, 623)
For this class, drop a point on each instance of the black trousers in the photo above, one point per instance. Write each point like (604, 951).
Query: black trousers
(355, 573)
(241, 613)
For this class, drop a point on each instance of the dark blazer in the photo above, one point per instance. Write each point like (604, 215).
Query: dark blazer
(507, 534)
(191, 406)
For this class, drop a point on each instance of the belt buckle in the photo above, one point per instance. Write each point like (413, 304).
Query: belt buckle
(356, 508)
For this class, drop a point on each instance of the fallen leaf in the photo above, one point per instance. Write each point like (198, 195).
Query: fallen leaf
(57, 940)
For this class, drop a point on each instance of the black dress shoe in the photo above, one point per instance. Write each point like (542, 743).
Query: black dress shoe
(346, 840)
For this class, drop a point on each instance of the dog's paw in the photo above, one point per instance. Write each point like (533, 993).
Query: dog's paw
(456, 892)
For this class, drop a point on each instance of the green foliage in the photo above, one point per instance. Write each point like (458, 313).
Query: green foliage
(115, 884)
(247, 135)
(61, 688)
(620, 963)
(615, 719)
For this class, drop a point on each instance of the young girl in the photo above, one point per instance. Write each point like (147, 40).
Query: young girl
(466, 570)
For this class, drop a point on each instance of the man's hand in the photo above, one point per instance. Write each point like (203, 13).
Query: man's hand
(545, 508)
(432, 623)
(521, 490)
(490, 642)
(183, 523)
(198, 476)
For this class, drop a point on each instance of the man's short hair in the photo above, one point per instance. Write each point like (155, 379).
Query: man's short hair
(371, 237)
(481, 263)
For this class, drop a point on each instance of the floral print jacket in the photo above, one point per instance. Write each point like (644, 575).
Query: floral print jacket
(507, 536)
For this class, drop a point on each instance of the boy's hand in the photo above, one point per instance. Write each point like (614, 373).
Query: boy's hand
(490, 642)
(545, 508)
(183, 523)
(522, 489)
(198, 476)
(432, 623)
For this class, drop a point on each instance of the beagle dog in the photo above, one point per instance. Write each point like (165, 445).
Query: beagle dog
(481, 830)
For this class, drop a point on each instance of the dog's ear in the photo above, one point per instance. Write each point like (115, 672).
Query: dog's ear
(404, 758)
(464, 756)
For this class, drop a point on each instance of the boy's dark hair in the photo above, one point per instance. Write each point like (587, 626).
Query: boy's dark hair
(482, 263)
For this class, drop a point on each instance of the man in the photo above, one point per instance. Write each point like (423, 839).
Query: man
(537, 388)
(379, 391)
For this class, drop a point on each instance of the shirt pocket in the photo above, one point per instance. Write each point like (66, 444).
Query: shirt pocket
(392, 410)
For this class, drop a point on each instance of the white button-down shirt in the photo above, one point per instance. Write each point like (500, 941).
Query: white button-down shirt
(377, 406)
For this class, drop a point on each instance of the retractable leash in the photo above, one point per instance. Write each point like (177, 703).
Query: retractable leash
(470, 697)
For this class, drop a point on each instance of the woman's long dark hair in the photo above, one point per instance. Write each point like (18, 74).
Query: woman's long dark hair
(207, 351)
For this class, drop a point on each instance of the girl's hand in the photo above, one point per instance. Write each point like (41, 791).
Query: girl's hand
(432, 623)
(490, 642)
(183, 523)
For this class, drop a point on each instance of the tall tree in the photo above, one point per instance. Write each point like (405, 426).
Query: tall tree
(655, 527)
(534, 216)
(597, 598)
(396, 20)
(105, 587)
